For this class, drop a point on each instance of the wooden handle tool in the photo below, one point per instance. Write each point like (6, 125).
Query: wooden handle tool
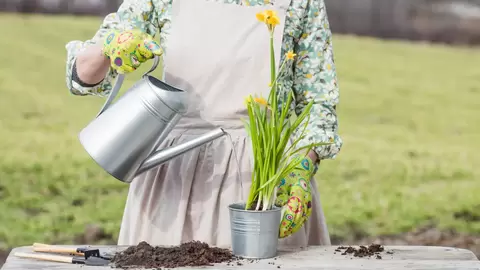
(86, 252)
(45, 257)
(54, 249)
(93, 261)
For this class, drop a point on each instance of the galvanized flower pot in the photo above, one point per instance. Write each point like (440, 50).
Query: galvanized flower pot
(254, 233)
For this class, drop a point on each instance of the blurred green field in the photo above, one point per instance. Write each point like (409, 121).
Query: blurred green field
(409, 116)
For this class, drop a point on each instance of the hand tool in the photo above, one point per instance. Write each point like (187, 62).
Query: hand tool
(92, 260)
(81, 251)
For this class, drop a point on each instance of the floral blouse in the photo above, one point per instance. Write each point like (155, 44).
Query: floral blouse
(307, 33)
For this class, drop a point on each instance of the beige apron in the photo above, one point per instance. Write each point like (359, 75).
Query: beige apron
(219, 53)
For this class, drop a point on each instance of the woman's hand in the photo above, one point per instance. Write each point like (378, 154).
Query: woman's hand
(295, 197)
(127, 50)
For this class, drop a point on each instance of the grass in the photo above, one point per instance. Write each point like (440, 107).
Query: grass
(408, 116)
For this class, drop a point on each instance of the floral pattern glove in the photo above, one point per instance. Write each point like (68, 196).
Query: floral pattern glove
(128, 49)
(294, 195)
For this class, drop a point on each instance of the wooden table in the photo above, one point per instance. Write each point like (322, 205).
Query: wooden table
(322, 257)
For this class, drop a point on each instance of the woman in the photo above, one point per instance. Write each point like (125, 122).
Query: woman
(216, 50)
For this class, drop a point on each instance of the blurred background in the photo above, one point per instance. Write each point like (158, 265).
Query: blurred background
(409, 114)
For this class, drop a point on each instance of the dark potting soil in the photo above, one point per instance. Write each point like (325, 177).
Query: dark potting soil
(363, 251)
(193, 253)
(253, 206)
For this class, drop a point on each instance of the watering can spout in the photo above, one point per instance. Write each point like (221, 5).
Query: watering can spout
(159, 157)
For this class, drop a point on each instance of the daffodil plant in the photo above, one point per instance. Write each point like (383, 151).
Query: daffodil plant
(270, 129)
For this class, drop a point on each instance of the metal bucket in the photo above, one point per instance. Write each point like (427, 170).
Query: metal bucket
(254, 233)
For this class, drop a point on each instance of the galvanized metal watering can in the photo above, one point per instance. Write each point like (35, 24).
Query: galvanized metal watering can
(124, 137)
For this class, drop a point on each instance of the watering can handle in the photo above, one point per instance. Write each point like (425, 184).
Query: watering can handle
(119, 82)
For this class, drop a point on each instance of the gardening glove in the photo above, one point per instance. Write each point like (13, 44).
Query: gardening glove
(295, 197)
(128, 49)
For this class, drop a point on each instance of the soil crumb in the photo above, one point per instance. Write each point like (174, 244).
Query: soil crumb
(362, 251)
(193, 253)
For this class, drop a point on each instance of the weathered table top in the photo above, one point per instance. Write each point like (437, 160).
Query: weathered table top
(321, 257)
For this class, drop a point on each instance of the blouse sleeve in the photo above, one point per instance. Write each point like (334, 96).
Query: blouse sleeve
(132, 14)
(315, 79)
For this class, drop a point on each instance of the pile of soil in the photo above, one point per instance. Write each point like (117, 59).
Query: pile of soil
(363, 251)
(193, 253)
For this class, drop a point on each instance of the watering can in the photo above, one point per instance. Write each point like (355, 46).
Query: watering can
(124, 137)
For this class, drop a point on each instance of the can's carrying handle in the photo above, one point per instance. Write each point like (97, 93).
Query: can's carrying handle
(119, 82)
(156, 61)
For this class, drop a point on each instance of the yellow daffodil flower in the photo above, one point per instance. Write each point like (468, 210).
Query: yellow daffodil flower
(261, 101)
(261, 17)
(269, 17)
(270, 13)
(290, 55)
(273, 21)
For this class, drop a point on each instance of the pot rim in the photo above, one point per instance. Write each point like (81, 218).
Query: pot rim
(236, 207)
